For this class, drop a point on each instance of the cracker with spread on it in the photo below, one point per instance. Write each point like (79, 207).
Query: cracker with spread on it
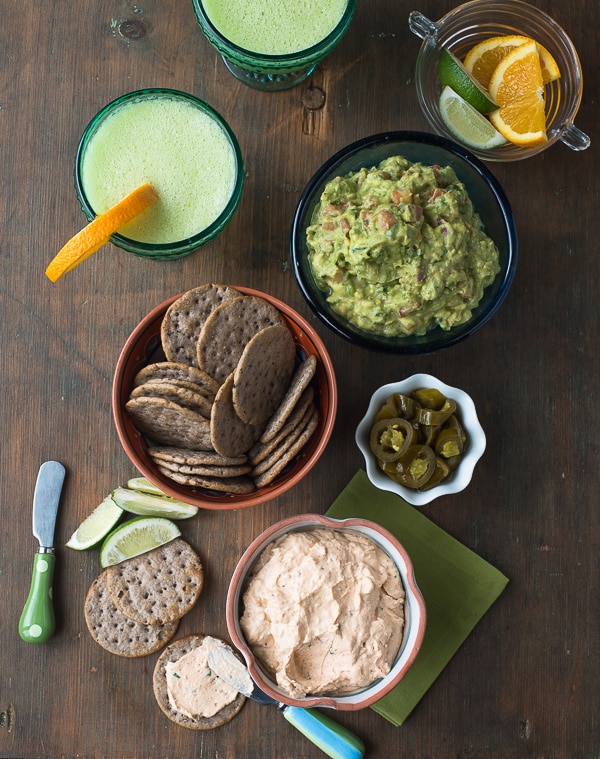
(173, 653)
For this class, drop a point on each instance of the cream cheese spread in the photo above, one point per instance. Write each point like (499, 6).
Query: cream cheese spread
(193, 689)
(324, 611)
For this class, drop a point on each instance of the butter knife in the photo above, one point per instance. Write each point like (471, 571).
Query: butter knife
(37, 621)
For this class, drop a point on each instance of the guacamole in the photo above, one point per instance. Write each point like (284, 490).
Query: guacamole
(399, 249)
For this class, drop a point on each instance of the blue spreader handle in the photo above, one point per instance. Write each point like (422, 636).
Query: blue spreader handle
(336, 741)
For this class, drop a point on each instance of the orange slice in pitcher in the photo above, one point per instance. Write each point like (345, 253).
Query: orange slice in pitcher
(97, 233)
(481, 61)
(518, 89)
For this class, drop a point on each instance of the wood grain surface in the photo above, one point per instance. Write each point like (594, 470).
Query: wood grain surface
(525, 682)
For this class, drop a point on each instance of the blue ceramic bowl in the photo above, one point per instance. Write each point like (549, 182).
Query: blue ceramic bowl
(489, 201)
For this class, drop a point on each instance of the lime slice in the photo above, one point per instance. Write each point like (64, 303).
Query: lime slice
(466, 123)
(147, 505)
(95, 527)
(141, 483)
(453, 74)
(135, 537)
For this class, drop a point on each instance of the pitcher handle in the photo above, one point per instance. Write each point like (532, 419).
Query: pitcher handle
(422, 26)
(574, 138)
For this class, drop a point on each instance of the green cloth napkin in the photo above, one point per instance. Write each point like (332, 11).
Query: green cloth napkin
(458, 586)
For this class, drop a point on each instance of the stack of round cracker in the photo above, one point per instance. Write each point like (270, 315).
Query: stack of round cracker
(231, 405)
(133, 608)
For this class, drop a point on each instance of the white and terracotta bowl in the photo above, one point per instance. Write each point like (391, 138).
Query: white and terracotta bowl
(414, 611)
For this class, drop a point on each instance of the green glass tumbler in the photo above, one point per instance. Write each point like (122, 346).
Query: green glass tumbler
(266, 71)
(179, 152)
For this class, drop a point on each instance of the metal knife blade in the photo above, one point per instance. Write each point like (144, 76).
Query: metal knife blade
(45, 501)
(37, 622)
(333, 739)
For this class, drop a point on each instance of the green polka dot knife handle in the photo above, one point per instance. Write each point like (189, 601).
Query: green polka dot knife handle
(37, 621)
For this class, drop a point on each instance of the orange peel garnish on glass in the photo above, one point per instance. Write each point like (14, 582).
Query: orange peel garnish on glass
(98, 232)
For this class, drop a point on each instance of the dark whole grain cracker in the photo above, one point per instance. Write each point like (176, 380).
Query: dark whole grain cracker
(169, 423)
(173, 370)
(115, 632)
(184, 396)
(185, 317)
(173, 653)
(267, 477)
(230, 435)
(285, 443)
(260, 450)
(262, 374)
(227, 331)
(233, 485)
(157, 587)
(194, 458)
(205, 470)
(299, 382)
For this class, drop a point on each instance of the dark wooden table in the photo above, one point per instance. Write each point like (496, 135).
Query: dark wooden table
(525, 683)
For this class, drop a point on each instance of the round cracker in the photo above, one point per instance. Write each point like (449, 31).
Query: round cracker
(227, 331)
(260, 450)
(185, 317)
(267, 477)
(194, 458)
(299, 382)
(230, 435)
(119, 634)
(205, 470)
(173, 370)
(169, 423)
(262, 374)
(172, 653)
(184, 396)
(159, 586)
(232, 485)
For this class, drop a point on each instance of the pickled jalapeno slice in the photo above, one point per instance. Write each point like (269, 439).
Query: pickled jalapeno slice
(391, 437)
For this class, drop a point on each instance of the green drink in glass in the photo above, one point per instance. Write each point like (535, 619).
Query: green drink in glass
(183, 148)
(273, 44)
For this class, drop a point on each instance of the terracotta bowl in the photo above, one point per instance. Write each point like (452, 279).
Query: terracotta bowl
(414, 610)
(144, 347)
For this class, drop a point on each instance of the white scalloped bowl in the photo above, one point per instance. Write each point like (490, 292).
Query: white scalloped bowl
(475, 447)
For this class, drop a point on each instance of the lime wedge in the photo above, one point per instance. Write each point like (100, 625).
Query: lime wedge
(453, 74)
(147, 505)
(141, 483)
(466, 123)
(135, 537)
(96, 526)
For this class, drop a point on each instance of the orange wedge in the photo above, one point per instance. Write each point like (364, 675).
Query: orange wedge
(518, 89)
(481, 60)
(97, 233)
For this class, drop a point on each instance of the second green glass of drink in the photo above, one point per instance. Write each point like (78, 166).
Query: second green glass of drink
(273, 44)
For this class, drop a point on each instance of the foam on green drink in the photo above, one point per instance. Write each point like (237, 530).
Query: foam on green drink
(275, 27)
(175, 146)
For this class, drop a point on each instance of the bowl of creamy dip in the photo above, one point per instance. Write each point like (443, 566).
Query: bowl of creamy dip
(404, 242)
(326, 612)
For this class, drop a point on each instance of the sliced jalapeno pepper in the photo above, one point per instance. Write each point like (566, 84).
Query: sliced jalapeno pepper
(416, 466)
(391, 437)
(442, 470)
(436, 417)
(449, 443)
(430, 397)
